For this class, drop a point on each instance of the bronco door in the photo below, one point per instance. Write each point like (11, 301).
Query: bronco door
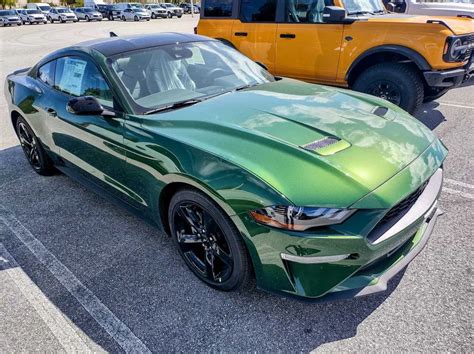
(306, 47)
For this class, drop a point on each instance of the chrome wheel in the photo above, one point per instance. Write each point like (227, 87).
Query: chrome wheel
(202, 243)
(29, 145)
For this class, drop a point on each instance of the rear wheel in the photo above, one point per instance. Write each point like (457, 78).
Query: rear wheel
(208, 241)
(88, 19)
(397, 83)
(123, 18)
(32, 148)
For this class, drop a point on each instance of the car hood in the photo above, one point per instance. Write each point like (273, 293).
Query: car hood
(265, 129)
(457, 25)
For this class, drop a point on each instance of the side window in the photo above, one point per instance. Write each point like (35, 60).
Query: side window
(80, 77)
(46, 73)
(305, 11)
(218, 8)
(258, 10)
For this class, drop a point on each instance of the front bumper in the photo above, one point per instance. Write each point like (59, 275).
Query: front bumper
(343, 261)
(450, 78)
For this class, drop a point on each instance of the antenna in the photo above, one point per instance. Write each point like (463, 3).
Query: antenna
(113, 34)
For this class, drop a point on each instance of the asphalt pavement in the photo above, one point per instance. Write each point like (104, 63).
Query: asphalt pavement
(78, 273)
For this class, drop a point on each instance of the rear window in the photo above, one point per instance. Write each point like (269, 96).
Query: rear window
(258, 10)
(218, 8)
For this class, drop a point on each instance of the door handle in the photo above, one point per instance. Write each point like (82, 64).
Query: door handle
(241, 34)
(287, 35)
(51, 112)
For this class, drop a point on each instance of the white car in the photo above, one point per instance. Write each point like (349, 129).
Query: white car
(9, 18)
(61, 14)
(31, 16)
(156, 11)
(421, 7)
(172, 10)
(135, 14)
(88, 14)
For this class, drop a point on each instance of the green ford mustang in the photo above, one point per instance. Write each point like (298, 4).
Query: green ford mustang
(316, 192)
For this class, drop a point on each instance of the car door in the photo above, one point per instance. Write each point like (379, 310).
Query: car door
(306, 47)
(88, 143)
(254, 33)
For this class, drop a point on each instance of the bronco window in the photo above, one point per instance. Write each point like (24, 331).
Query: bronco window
(305, 11)
(218, 8)
(258, 10)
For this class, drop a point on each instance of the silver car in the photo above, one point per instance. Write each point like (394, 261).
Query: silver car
(172, 10)
(156, 11)
(88, 14)
(61, 14)
(9, 17)
(135, 14)
(31, 16)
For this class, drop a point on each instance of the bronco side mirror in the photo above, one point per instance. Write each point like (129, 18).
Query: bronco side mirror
(334, 14)
(87, 105)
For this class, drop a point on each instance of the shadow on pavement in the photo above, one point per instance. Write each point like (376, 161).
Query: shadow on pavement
(137, 273)
(429, 115)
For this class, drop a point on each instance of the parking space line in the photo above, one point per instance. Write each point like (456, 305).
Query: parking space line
(61, 327)
(460, 193)
(455, 105)
(101, 313)
(457, 183)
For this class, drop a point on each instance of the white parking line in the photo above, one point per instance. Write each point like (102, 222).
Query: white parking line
(457, 183)
(101, 313)
(455, 191)
(68, 335)
(455, 105)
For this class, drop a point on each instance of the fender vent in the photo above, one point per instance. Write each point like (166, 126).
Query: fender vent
(319, 144)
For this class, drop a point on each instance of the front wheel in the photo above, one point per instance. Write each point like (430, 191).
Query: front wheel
(123, 18)
(179, 16)
(33, 150)
(208, 241)
(398, 83)
(88, 19)
(170, 15)
(135, 18)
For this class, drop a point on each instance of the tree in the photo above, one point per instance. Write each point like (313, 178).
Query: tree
(7, 3)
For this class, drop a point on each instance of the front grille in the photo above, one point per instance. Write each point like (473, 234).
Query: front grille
(395, 214)
(470, 40)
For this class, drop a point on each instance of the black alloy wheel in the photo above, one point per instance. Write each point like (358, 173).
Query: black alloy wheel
(208, 241)
(385, 89)
(33, 150)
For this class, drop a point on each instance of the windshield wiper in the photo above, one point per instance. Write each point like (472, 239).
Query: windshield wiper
(176, 105)
(243, 87)
(361, 13)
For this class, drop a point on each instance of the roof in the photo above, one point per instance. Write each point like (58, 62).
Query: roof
(116, 45)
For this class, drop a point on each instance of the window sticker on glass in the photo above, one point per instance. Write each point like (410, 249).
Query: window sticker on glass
(73, 73)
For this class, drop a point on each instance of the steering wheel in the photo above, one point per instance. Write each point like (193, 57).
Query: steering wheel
(214, 74)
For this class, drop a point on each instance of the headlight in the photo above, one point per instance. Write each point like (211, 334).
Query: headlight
(456, 49)
(300, 218)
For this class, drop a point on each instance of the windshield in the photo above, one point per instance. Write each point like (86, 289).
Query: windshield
(165, 75)
(136, 6)
(62, 11)
(7, 13)
(33, 12)
(363, 6)
(169, 5)
(87, 9)
(44, 7)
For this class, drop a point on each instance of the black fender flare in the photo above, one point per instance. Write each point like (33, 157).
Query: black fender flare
(411, 54)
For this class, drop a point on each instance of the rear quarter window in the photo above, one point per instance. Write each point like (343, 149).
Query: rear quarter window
(218, 8)
(46, 73)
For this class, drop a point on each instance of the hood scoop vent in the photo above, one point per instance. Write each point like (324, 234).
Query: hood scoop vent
(326, 146)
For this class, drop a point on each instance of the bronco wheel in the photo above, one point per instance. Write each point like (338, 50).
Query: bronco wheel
(397, 83)
(208, 241)
(32, 148)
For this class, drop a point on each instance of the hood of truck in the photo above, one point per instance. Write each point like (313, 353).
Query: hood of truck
(458, 25)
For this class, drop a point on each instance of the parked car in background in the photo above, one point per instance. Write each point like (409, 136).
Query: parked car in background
(43, 7)
(315, 191)
(111, 12)
(172, 10)
(87, 14)
(187, 8)
(407, 60)
(9, 18)
(135, 14)
(156, 11)
(422, 7)
(31, 16)
(61, 14)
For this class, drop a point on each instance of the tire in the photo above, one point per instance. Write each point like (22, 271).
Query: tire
(399, 83)
(123, 18)
(170, 15)
(63, 21)
(38, 159)
(153, 16)
(88, 19)
(45, 22)
(135, 18)
(179, 16)
(221, 245)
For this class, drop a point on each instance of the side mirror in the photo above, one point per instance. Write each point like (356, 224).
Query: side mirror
(87, 105)
(334, 14)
